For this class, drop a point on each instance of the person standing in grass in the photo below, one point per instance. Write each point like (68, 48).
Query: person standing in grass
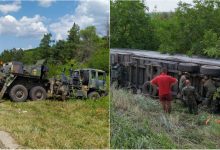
(189, 93)
(210, 88)
(164, 83)
(183, 78)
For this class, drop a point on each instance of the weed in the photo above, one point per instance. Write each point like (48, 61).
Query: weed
(138, 122)
(54, 124)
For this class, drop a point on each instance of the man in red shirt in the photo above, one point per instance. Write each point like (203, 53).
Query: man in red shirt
(164, 83)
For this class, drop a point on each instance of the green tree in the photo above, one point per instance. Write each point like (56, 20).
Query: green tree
(74, 36)
(59, 52)
(89, 42)
(45, 47)
(184, 30)
(100, 60)
(72, 42)
(211, 44)
(131, 26)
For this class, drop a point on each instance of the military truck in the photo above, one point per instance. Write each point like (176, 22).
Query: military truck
(20, 83)
(135, 68)
(84, 83)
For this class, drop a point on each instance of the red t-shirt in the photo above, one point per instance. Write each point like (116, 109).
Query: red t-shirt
(164, 81)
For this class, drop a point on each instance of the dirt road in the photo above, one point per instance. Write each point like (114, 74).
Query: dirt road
(6, 141)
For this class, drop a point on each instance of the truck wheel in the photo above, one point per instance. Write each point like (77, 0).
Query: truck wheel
(188, 67)
(132, 89)
(94, 95)
(210, 70)
(18, 93)
(38, 93)
(149, 90)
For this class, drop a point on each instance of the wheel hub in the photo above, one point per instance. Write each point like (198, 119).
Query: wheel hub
(38, 94)
(19, 94)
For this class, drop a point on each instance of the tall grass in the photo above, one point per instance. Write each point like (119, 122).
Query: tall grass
(54, 124)
(139, 122)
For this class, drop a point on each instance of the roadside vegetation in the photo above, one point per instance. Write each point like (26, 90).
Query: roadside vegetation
(190, 29)
(138, 122)
(56, 124)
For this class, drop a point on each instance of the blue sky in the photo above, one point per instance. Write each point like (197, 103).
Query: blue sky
(23, 23)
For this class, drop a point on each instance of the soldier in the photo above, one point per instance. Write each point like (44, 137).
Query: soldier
(117, 71)
(215, 108)
(190, 97)
(210, 89)
(182, 84)
(183, 78)
(44, 71)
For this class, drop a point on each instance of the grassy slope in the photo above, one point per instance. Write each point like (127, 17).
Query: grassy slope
(138, 122)
(53, 124)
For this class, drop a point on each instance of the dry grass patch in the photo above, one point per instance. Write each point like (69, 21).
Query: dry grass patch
(53, 124)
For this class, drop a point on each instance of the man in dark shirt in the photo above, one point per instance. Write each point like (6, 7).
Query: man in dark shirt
(190, 97)
(164, 83)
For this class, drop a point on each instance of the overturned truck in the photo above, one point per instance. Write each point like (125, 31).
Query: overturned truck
(134, 69)
(19, 83)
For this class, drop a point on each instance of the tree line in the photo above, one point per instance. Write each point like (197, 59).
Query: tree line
(81, 46)
(192, 29)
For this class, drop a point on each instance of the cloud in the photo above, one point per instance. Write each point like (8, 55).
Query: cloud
(87, 13)
(62, 27)
(12, 7)
(25, 27)
(164, 5)
(45, 3)
(28, 47)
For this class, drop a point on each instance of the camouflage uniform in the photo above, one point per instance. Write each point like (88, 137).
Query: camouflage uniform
(117, 74)
(210, 90)
(181, 82)
(190, 97)
(215, 106)
(181, 86)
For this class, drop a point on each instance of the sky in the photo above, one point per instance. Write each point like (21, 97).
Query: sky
(23, 23)
(164, 5)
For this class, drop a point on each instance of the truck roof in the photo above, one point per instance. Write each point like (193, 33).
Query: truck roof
(158, 55)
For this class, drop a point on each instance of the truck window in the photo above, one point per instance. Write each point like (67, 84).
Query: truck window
(101, 76)
(85, 77)
(93, 74)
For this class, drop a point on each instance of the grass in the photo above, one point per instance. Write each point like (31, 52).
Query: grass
(138, 122)
(55, 124)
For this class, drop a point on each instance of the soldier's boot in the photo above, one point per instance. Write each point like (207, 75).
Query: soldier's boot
(214, 106)
(195, 109)
(190, 108)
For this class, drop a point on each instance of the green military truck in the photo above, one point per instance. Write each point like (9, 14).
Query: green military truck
(84, 83)
(20, 83)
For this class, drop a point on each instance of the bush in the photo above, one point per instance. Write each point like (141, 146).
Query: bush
(100, 60)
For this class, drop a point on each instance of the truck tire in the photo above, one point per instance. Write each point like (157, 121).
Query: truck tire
(38, 93)
(133, 89)
(93, 95)
(210, 70)
(188, 67)
(18, 93)
(149, 90)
